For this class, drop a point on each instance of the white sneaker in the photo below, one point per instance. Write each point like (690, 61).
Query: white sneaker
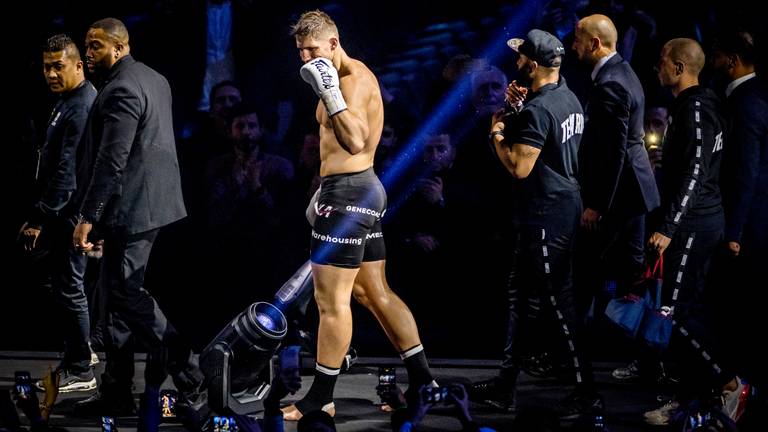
(628, 372)
(735, 401)
(661, 416)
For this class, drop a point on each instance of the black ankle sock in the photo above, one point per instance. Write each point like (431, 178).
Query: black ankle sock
(418, 370)
(321, 391)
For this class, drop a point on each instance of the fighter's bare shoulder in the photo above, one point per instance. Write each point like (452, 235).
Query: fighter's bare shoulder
(360, 76)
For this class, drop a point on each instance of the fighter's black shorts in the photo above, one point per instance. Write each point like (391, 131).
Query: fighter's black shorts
(346, 220)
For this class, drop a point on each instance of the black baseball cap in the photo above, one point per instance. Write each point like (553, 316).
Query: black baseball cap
(540, 46)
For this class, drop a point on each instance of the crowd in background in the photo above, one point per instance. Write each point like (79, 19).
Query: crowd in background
(249, 152)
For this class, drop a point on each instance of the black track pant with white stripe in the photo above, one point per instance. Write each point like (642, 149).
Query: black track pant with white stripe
(686, 266)
(541, 275)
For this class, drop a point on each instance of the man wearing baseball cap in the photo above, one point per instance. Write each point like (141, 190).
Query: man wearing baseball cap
(538, 146)
(541, 47)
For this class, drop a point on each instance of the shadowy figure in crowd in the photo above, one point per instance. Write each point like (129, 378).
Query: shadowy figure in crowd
(247, 197)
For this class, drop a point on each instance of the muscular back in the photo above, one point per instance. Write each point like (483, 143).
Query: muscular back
(363, 120)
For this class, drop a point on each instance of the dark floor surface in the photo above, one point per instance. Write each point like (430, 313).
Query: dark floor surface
(356, 399)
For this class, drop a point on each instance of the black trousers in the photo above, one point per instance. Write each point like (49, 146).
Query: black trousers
(134, 317)
(615, 251)
(542, 274)
(686, 266)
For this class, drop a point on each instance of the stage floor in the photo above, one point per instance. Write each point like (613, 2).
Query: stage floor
(356, 399)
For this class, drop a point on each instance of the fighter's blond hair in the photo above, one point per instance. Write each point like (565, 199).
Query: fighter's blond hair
(315, 24)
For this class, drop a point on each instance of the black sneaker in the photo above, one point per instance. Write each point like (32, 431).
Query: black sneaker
(545, 365)
(541, 366)
(578, 404)
(74, 382)
(494, 393)
(70, 382)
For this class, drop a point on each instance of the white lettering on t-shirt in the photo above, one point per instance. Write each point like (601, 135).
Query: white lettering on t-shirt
(573, 125)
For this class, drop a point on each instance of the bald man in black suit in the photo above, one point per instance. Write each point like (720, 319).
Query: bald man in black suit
(617, 183)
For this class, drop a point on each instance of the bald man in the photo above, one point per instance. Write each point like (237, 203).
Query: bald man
(691, 224)
(617, 184)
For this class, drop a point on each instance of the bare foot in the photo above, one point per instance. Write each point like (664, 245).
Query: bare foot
(291, 413)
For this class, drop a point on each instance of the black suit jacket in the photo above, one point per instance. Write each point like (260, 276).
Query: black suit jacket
(615, 174)
(744, 175)
(133, 182)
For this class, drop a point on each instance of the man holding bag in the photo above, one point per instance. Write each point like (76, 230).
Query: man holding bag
(691, 222)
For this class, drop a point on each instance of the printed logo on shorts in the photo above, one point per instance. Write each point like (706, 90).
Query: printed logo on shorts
(364, 210)
(323, 209)
(339, 240)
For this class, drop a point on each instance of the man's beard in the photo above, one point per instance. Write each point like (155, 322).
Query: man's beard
(524, 76)
(246, 146)
(525, 79)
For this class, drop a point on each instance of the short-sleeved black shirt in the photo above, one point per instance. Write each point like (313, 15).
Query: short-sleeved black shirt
(552, 121)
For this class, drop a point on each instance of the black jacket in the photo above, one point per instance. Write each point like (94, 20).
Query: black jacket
(744, 174)
(615, 174)
(56, 175)
(690, 163)
(133, 182)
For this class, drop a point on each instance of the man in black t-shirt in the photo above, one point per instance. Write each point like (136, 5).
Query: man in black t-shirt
(539, 146)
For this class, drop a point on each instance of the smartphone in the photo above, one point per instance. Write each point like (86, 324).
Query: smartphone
(387, 376)
(599, 423)
(289, 357)
(108, 424)
(22, 390)
(22, 377)
(437, 394)
(22, 384)
(223, 424)
(387, 384)
(168, 403)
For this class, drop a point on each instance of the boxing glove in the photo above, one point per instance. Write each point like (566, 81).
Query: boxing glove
(324, 79)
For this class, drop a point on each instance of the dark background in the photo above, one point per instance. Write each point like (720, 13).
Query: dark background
(466, 319)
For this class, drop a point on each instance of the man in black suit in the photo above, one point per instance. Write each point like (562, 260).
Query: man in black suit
(617, 183)
(130, 189)
(744, 185)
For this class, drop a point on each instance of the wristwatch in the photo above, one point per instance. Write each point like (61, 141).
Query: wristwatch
(82, 220)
